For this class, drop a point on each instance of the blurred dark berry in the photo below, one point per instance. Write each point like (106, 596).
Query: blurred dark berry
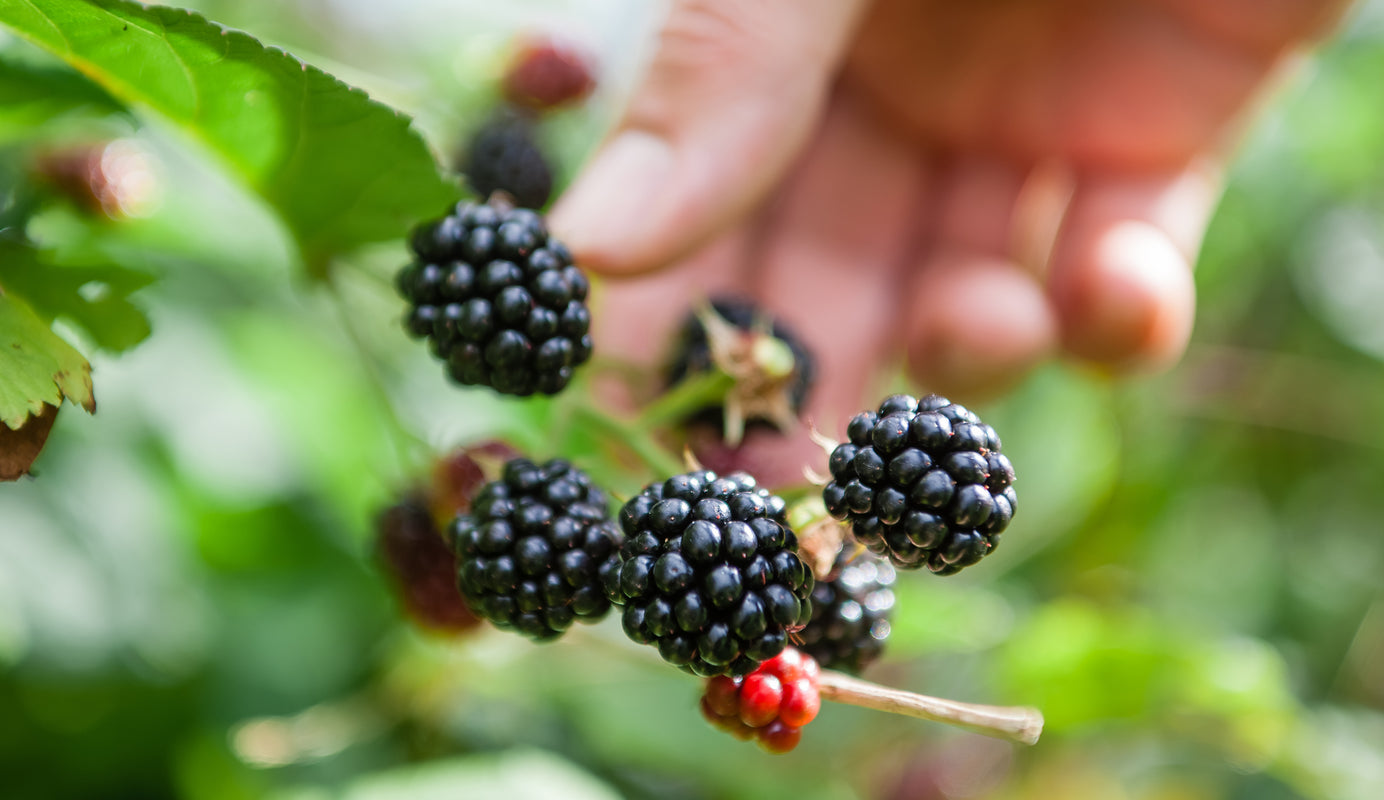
(504, 155)
(850, 612)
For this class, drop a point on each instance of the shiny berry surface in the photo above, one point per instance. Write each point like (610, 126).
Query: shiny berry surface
(771, 704)
(498, 300)
(710, 573)
(923, 483)
(537, 549)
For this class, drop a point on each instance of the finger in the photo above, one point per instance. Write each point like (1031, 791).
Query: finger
(1260, 26)
(732, 93)
(1121, 279)
(636, 320)
(977, 321)
(842, 233)
(978, 324)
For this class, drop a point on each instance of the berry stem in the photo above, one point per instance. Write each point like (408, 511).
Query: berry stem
(686, 398)
(407, 445)
(1015, 723)
(631, 436)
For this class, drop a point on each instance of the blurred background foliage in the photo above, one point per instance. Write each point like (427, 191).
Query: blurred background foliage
(189, 606)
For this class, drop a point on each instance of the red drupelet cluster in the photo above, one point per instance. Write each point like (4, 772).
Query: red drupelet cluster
(417, 562)
(548, 72)
(770, 704)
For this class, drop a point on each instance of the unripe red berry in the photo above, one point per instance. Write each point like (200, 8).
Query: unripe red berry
(420, 568)
(723, 696)
(759, 699)
(801, 702)
(778, 737)
(788, 666)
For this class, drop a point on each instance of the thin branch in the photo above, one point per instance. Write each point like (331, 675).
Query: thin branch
(632, 437)
(1015, 723)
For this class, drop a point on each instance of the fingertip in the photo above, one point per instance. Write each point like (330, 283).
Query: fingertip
(1125, 298)
(611, 215)
(977, 326)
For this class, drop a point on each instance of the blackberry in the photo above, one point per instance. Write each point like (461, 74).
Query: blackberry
(498, 299)
(710, 573)
(922, 481)
(504, 155)
(764, 393)
(533, 553)
(850, 613)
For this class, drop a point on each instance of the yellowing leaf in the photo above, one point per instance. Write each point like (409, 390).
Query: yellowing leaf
(36, 366)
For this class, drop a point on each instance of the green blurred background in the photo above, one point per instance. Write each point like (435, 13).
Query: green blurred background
(1192, 591)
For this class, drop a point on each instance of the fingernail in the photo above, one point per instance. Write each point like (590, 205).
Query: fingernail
(598, 217)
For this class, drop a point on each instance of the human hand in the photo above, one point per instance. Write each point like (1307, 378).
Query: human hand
(976, 185)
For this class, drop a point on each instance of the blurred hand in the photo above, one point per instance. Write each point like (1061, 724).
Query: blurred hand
(975, 185)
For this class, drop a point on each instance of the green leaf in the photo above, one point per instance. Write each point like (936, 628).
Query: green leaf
(36, 367)
(531, 774)
(340, 169)
(95, 298)
(32, 94)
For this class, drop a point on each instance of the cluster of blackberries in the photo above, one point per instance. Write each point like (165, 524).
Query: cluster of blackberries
(504, 155)
(498, 299)
(923, 482)
(710, 573)
(535, 551)
(850, 612)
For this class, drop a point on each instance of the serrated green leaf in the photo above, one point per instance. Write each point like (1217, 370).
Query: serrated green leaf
(36, 366)
(95, 298)
(340, 169)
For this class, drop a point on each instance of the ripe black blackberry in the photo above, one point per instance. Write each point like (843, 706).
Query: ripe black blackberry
(498, 299)
(776, 400)
(924, 482)
(710, 573)
(850, 612)
(533, 552)
(503, 155)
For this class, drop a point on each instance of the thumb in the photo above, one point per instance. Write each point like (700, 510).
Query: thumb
(733, 90)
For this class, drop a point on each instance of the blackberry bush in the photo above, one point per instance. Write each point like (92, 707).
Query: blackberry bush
(922, 481)
(710, 573)
(532, 553)
(850, 613)
(498, 300)
(504, 156)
